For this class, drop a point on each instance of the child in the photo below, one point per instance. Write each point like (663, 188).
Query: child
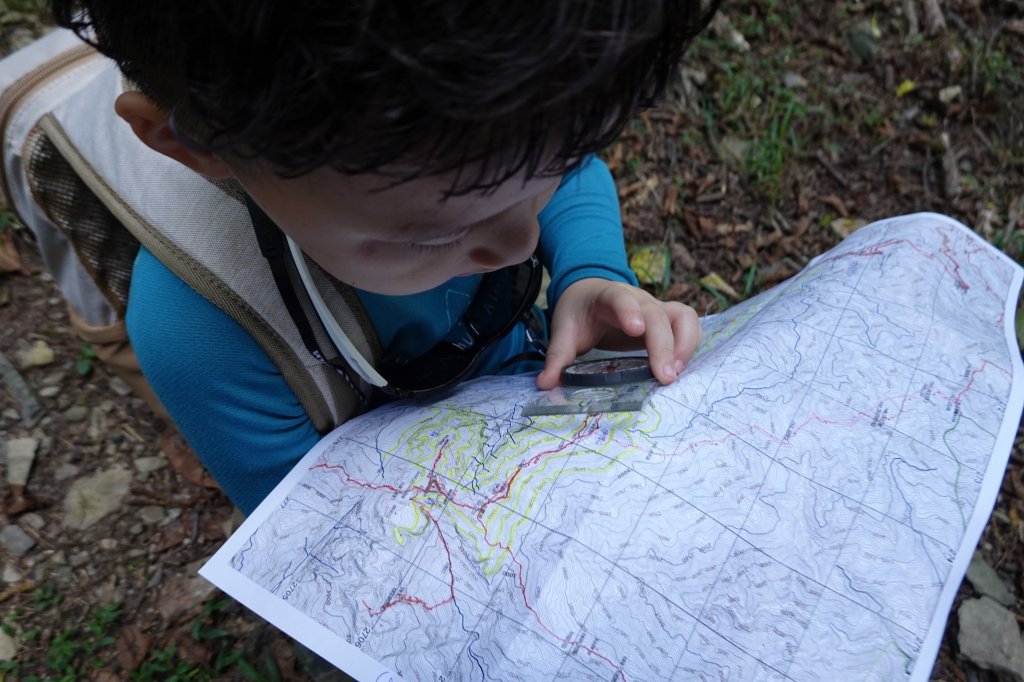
(407, 148)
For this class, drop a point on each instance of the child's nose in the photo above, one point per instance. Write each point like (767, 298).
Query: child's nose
(507, 245)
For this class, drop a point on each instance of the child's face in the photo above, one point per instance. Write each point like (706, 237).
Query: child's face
(402, 239)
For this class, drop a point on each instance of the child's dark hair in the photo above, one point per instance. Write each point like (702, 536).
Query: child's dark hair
(495, 85)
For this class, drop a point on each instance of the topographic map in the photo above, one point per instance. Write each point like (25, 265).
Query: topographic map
(800, 505)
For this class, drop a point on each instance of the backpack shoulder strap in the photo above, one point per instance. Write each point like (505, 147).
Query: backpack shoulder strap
(172, 212)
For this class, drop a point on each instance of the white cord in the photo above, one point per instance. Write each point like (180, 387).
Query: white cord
(348, 351)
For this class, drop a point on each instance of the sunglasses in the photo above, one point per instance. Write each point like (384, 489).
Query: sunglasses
(504, 298)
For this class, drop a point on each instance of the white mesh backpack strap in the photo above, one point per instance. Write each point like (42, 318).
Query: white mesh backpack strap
(33, 81)
(172, 212)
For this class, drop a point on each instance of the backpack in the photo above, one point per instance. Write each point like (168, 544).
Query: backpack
(91, 193)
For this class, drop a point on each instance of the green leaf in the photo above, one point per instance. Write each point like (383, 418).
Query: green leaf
(83, 366)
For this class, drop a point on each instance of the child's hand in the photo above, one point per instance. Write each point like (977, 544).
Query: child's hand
(595, 313)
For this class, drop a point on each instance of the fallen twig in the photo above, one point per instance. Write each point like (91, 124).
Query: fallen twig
(911, 12)
(820, 156)
(950, 169)
(17, 588)
(934, 20)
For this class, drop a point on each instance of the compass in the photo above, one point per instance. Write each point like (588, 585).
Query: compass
(607, 372)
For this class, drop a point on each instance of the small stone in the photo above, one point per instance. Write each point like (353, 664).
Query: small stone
(76, 413)
(733, 150)
(38, 355)
(49, 391)
(78, 559)
(58, 557)
(11, 414)
(11, 574)
(152, 514)
(986, 581)
(97, 426)
(135, 529)
(92, 498)
(33, 521)
(947, 95)
(108, 544)
(107, 406)
(793, 81)
(149, 464)
(119, 386)
(989, 637)
(66, 471)
(16, 541)
(63, 575)
(8, 647)
(54, 379)
(21, 452)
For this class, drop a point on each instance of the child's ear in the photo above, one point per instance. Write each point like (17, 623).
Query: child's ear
(150, 124)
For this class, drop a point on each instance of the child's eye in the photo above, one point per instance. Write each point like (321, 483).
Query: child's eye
(421, 247)
(445, 241)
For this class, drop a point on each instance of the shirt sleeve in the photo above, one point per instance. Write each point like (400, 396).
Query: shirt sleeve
(581, 230)
(225, 394)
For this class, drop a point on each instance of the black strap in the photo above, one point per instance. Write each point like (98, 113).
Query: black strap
(272, 245)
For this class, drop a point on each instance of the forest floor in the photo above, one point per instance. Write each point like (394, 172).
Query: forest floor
(792, 124)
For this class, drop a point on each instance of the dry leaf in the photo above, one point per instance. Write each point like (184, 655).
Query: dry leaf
(10, 261)
(188, 649)
(132, 647)
(715, 281)
(184, 460)
(652, 264)
(844, 227)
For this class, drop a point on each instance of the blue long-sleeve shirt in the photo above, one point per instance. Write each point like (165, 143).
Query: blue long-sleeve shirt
(233, 405)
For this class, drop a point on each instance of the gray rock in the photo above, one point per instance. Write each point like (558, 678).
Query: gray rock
(733, 150)
(53, 379)
(92, 498)
(16, 541)
(11, 574)
(79, 559)
(49, 391)
(986, 581)
(66, 471)
(989, 637)
(11, 414)
(108, 544)
(119, 386)
(793, 81)
(76, 413)
(97, 426)
(152, 514)
(21, 452)
(32, 520)
(146, 465)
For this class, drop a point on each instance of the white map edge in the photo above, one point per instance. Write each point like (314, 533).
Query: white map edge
(365, 668)
(993, 479)
(255, 597)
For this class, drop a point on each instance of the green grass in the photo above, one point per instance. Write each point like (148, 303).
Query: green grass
(77, 651)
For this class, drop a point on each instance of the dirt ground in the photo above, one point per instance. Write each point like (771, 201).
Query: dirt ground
(792, 124)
